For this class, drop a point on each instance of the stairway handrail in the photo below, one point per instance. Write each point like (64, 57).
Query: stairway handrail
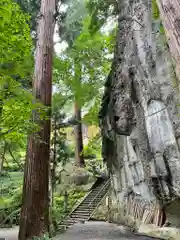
(98, 193)
(76, 206)
(99, 204)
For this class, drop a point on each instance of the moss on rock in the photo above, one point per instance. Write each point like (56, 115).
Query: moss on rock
(155, 10)
(166, 233)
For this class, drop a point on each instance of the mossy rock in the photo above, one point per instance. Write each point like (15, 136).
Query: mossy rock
(167, 233)
(117, 215)
(80, 176)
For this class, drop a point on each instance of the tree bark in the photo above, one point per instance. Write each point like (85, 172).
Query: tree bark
(78, 137)
(53, 175)
(170, 15)
(3, 157)
(34, 219)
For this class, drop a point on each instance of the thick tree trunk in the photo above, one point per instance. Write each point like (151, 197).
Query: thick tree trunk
(78, 137)
(34, 220)
(170, 15)
(2, 159)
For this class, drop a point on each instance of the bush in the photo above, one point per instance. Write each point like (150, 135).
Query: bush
(10, 208)
(11, 167)
(58, 211)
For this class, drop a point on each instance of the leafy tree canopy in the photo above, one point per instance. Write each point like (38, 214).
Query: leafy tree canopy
(100, 11)
(83, 67)
(31, 7)
(16, 63)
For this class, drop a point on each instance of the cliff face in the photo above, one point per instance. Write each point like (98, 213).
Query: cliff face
(140, 119)
(170, 15)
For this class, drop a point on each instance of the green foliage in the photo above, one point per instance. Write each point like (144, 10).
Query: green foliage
(59, 214)
(100, 11)
(15, 39)
(31, 7)
(83, 68)
(59, 145)
(70, 21)
(93, 147)
(156, 15)
(44, 237)
(16, 62)
(11, 192)
(155, 9)
(63, 151)
(10, 183)
(14, 156)
(16, 113)
(91, 118)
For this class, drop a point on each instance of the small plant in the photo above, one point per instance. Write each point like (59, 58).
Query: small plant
(44, 237)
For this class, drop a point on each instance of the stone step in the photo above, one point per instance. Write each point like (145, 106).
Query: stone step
(80, 218)
(93, 204)
(89, 210)
(69, 221)
(93, 197)
(84, 214)
(84, 207)
(81, 211)
(87, 215)
(95, 201)
(91, 200)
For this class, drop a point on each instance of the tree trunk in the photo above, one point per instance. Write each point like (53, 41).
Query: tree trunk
(53, 175)
(78, 138)
(34, 219)
(3, 157)
(170, 15)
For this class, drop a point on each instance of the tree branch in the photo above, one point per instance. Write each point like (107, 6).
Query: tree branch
(20, 165)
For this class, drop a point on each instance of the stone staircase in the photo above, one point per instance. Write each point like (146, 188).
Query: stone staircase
(84, 210)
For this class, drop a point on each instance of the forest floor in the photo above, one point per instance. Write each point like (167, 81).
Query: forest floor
(89, 231)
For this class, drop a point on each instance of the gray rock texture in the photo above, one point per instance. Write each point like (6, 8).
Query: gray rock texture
(140, 118)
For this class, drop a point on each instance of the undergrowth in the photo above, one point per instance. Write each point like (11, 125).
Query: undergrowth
(11, 193)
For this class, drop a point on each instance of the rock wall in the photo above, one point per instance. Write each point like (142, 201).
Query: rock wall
(140, 119)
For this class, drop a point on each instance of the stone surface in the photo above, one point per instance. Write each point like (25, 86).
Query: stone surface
(100, 231)
(164, 232)
(140, 118)
(9, 233)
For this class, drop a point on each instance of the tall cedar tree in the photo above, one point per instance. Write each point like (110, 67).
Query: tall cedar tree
(34, 219)
(79, 157)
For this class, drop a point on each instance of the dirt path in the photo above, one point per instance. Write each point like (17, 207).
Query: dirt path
(87, 231)
(9, 233)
